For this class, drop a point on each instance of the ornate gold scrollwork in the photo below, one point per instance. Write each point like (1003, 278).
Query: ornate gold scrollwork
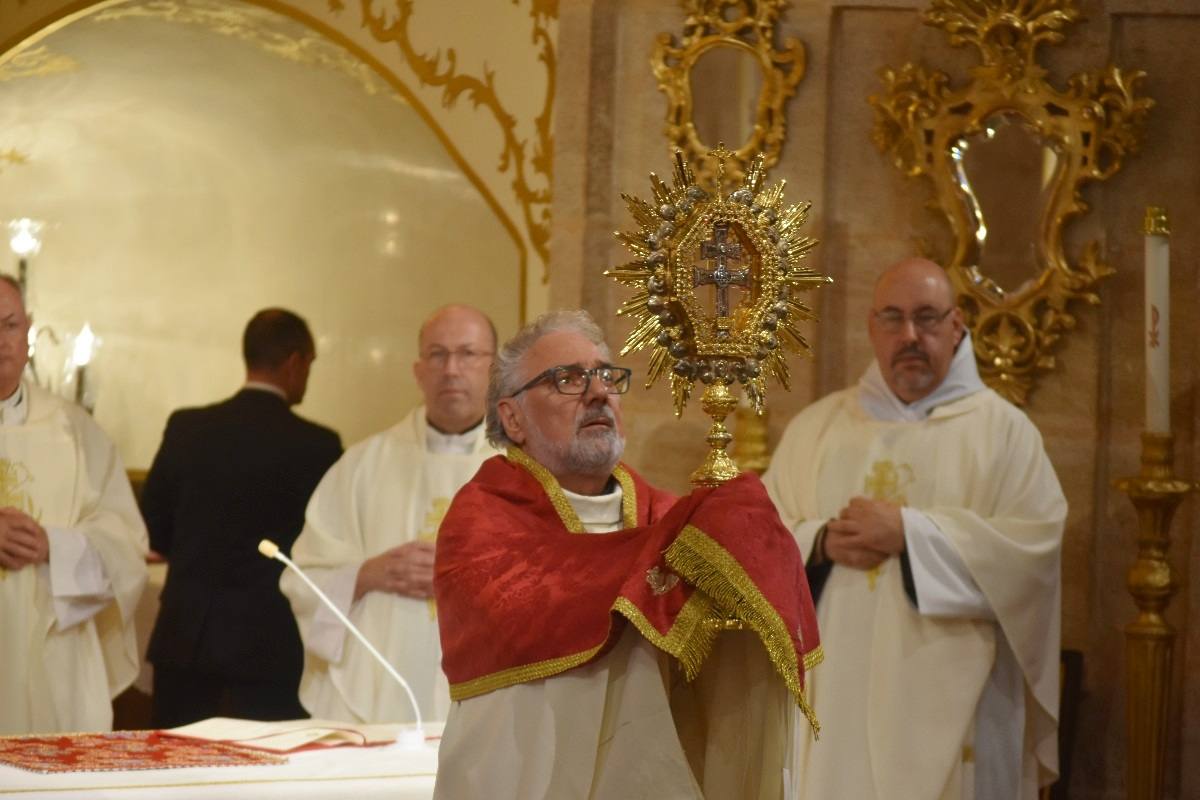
(743, 27)
(531, 163)
(12, 157)
(1075, 135)
(35, 62)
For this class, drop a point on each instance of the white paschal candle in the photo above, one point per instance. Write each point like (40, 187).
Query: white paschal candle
(1157, 334)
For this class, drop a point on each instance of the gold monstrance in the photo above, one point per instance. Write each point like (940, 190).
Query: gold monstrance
(716, 277)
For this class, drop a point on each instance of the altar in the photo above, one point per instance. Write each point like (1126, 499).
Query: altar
(339, 772)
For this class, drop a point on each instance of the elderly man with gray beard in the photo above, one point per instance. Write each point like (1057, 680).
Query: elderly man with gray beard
(580, 607)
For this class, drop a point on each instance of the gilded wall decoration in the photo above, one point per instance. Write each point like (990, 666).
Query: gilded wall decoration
(731, 27)
(531, 164)
(1008, 155)
(259, 28)
(35, 62)
(12, 157)
(517, 184)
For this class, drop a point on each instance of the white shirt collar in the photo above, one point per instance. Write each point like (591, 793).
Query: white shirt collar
(452, 443)
(961, 380)
(599, 513)
(262, 386)
(14, 409)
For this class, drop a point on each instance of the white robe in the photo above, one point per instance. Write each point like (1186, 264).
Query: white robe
(386, 490)
(625, 726)
(913, 702)
(67, 625)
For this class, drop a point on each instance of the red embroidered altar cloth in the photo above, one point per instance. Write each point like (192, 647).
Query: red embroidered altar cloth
(122, 751)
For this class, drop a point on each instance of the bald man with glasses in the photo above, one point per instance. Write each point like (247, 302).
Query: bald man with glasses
(580, 605)
(369, 532)
(932, 522)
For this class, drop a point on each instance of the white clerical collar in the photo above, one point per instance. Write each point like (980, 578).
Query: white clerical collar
(599, 513)
(13, 409)
(461, 444)
(961, 380)
(262, 386)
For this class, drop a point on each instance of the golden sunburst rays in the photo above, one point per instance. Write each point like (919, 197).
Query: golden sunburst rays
(716, 279)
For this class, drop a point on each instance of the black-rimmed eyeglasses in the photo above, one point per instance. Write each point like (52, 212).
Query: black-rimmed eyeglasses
(925, 320)
(574, 379)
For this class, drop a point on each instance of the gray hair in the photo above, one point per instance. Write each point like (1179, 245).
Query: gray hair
(505, 376)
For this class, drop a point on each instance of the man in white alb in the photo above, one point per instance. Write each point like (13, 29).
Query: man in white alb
(369, 533)
(933, 522)
(72, 553)
(580, 605)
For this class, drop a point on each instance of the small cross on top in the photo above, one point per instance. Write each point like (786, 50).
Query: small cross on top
(720, 154)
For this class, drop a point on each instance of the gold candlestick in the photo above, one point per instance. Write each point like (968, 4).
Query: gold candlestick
(1155, 493)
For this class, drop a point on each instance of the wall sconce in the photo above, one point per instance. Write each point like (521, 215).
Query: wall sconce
(25, 241)
(82, 352)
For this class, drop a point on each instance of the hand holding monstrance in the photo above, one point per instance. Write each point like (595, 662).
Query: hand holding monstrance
(717, 276)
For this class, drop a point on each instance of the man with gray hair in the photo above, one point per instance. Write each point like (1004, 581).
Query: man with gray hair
(575, 661)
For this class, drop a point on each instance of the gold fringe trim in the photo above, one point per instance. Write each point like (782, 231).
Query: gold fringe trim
(522, 674)
(628, 496)
(712, 570)
(690, 639)
(550, 485)
(814, 657)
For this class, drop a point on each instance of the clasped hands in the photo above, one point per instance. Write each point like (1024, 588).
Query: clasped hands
(406, 570)
(22, 540)
(865, 534)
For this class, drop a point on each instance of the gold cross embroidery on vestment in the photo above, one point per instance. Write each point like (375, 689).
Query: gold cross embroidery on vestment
(887, 481)
(13, 479)
(433, 520)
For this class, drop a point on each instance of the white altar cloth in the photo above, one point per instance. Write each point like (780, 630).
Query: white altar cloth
(362, 773)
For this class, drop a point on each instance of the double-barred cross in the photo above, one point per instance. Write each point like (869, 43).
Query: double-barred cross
(721, 250)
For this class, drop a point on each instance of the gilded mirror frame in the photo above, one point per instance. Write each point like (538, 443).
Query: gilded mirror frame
(747, 26)
(1092, 125)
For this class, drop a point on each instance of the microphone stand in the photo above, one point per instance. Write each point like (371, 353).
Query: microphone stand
(408, 739)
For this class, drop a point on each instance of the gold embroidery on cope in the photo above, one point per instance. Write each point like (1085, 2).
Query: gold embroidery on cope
(13, 479)
(887, 481)
(433, 520)
(562, 505)
(661, 582)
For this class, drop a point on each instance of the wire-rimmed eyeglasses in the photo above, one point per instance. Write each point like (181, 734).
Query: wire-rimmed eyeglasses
(574, 379)
(441, 358)
(924, 320)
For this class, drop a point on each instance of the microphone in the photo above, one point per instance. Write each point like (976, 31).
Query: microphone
(406, 738)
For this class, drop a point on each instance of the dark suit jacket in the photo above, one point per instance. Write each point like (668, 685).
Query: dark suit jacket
(225, 477)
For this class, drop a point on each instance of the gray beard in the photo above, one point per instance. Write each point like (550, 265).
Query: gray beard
(592, 453)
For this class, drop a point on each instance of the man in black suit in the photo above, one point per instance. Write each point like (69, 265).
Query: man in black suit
(225, 477)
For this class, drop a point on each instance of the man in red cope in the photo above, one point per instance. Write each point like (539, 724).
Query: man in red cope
(580, 606)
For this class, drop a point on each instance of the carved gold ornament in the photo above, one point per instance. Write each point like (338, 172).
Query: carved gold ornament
(746, 27)
(1015, 289)
(34, 62)
(12, 157)
(716, 277)
(257, 27)
(531, 163)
